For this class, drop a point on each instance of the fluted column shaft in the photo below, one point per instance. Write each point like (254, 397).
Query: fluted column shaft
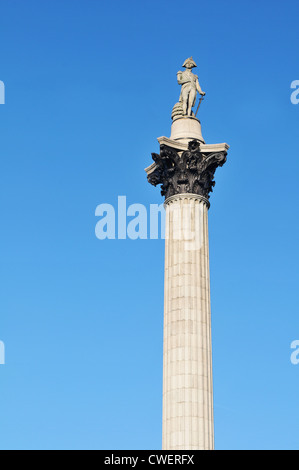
(187, 356)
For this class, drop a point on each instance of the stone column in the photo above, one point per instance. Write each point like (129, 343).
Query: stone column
(187, 358)
(185, 169)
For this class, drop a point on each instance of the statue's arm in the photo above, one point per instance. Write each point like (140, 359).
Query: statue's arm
(198, 88)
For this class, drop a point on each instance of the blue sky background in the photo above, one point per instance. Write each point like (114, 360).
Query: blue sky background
(89, 87)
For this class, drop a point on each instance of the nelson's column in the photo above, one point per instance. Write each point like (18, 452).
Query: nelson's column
(185, 168)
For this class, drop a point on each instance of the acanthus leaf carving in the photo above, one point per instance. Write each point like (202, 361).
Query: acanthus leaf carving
(191, 172)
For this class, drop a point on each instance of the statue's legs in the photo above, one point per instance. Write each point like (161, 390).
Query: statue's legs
(185, 102)
(185, 97)
(191, 100)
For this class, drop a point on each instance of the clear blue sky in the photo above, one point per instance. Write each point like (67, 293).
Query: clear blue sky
(90, 85)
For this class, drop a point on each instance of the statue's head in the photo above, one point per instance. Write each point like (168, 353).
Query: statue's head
(189, 63)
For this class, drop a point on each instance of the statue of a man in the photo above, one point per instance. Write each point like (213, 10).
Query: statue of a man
(190, 86)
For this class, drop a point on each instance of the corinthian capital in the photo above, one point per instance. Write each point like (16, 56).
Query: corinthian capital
(191, 171)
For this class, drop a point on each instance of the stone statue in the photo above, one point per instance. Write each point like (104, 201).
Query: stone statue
(190, 87)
